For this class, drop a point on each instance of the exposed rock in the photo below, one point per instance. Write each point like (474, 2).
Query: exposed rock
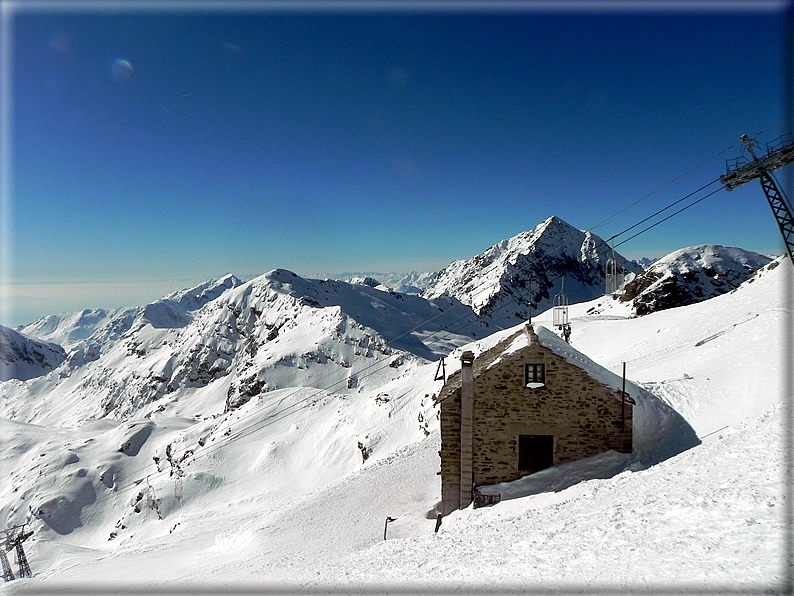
(691, 275)
(23, 357)
(521, 275)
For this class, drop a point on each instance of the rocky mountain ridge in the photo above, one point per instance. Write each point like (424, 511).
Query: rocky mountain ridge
(281, 330)
(278, 330)
(521, 275)
(691, 275)
(23, 357)
(92, 328)
(405, 283)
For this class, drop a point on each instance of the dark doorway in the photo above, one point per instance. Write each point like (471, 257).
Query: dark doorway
(535, 452)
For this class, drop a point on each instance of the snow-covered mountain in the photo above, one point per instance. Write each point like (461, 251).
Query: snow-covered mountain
(691, 275)
(644, 262)
(72, 329)
(368, 281)
(97, 328)
(243, 340)
(291, 488)
(404, 283)
(258, 434)
(23, 357)
(194, 298)
(530, 267)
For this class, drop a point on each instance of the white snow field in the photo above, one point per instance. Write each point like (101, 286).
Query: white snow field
(290, 492)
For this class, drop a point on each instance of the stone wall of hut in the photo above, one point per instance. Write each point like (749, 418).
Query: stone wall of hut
(584, 417)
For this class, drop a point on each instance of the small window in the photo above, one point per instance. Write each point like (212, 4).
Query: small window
(535, 375)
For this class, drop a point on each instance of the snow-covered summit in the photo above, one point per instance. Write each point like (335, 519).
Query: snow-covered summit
(197, 296)
(365, 281)
(691, 275)
(71, 329)
(711, 257)
(400, 320)
(177, 309)
(645, 262)
(405, 283)
(530, 267)
(94, 329)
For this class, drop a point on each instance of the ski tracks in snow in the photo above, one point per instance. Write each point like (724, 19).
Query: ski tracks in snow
(724, 331)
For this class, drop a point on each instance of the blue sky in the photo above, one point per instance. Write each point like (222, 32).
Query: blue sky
(153, 148)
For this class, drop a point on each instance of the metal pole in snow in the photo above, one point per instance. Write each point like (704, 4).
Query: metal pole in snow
(623, 399)
(386, 525)
(530, 300)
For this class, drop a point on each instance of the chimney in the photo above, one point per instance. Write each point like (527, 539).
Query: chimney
(466, 427)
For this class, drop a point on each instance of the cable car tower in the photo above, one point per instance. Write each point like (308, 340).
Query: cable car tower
(559, 313)
(779, 153)
(12, 538)
(615, 277)
(177, 474)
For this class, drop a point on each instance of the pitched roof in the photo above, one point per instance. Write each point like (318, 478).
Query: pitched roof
(546, 338)
(487, 359)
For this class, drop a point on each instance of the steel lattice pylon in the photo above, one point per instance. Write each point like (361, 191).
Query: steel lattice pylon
(22, 561)
(779, 154)
(12, 538)
(8, 575)
(781, 211)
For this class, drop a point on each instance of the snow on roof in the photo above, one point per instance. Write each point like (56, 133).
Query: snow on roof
(549, 339)
(659, 431)
(546, 338)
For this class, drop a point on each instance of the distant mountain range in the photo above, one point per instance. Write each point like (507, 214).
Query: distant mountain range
(281, 330)
(405, 283)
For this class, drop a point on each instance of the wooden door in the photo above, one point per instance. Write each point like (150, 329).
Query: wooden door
(535, 452)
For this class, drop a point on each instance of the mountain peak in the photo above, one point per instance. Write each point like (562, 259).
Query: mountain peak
(197, 296)
(554, 221)
(521, 275)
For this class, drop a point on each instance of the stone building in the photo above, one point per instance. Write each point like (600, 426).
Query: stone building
(526, 404)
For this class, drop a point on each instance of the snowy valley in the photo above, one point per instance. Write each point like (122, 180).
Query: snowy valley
(257, 435)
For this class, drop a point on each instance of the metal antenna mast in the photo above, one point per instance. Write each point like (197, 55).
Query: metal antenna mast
(779, 154)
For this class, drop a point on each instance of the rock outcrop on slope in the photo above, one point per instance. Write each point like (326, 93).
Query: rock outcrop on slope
(23, 357)
(691, 275)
